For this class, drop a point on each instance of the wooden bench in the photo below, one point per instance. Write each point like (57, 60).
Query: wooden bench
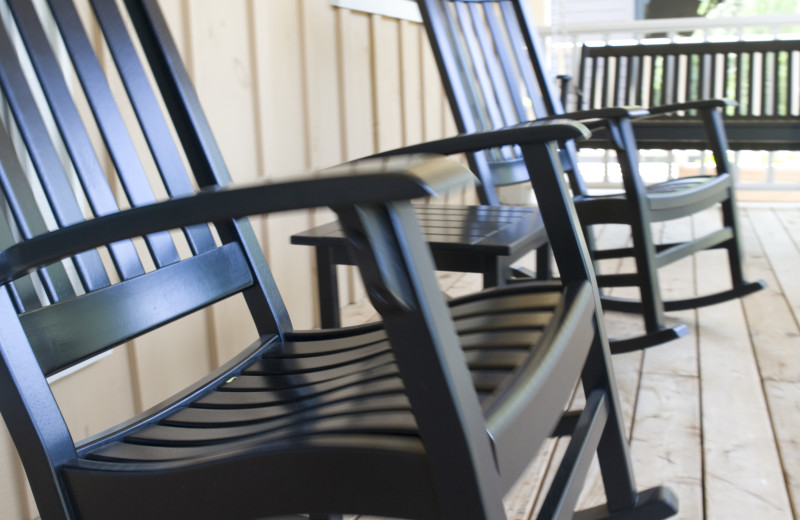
(761, 77)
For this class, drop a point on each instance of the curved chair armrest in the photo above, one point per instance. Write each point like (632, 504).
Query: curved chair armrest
(524, 133)
(596, 118)
(370, 181)
(703, 104)
(619, 112)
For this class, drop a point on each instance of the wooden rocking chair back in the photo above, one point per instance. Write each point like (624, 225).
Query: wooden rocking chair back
(491, 61)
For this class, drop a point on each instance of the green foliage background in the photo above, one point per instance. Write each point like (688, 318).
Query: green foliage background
(715, 8)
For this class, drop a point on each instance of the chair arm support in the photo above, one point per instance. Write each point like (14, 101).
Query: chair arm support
(370, 181)
(524, 133)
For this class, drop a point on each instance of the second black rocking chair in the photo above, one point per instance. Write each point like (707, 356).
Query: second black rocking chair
(490, 59)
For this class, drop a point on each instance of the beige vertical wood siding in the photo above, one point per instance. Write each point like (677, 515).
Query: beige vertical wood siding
(288, 86)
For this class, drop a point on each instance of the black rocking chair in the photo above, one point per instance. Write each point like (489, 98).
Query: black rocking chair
(490, 59)
(431, 413)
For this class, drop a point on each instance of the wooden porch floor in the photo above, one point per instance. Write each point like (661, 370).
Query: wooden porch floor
(714, 415)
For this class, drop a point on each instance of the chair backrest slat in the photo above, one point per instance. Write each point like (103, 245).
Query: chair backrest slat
(497, 63)
(203, 155)
(481, 66)
(694, 79)
(787, 92)
(507, 60)
(488, 53)
(23, 292)
(788, 101)
(72, 131)
(109, 121)
(743, 61)
(674, 78)
(148, 111)
(26, 224)
(637, 100)
(525, 46)
(42, 152)
(768, 73)
(618, 95)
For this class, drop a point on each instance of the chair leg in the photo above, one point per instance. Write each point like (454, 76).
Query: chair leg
(612, 451)
(591, 244)
(614, 456)
(730, 219)
(718, 142)
(652, 306)
(652, 504)
(647, 274)
(599, 429)
(328, 289)
(543, 268)
(495, 273)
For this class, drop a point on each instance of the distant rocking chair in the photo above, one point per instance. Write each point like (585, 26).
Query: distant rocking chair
(490, 59)
(432, 413)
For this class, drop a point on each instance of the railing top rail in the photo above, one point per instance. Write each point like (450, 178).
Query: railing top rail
(684, 48)
(672, 25)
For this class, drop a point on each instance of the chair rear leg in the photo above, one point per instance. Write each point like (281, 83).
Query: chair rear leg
(647, 277)
(730, 220)
(599, 430)
(718, 142)
(543, 269)
(612, 451)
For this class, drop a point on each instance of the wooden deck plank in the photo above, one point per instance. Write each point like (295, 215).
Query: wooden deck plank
(776, 340)
(743, 477)
(772, 324)
(784, 402)
(782, 251)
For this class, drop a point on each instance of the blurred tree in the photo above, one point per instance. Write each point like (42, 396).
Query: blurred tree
(751, 7)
